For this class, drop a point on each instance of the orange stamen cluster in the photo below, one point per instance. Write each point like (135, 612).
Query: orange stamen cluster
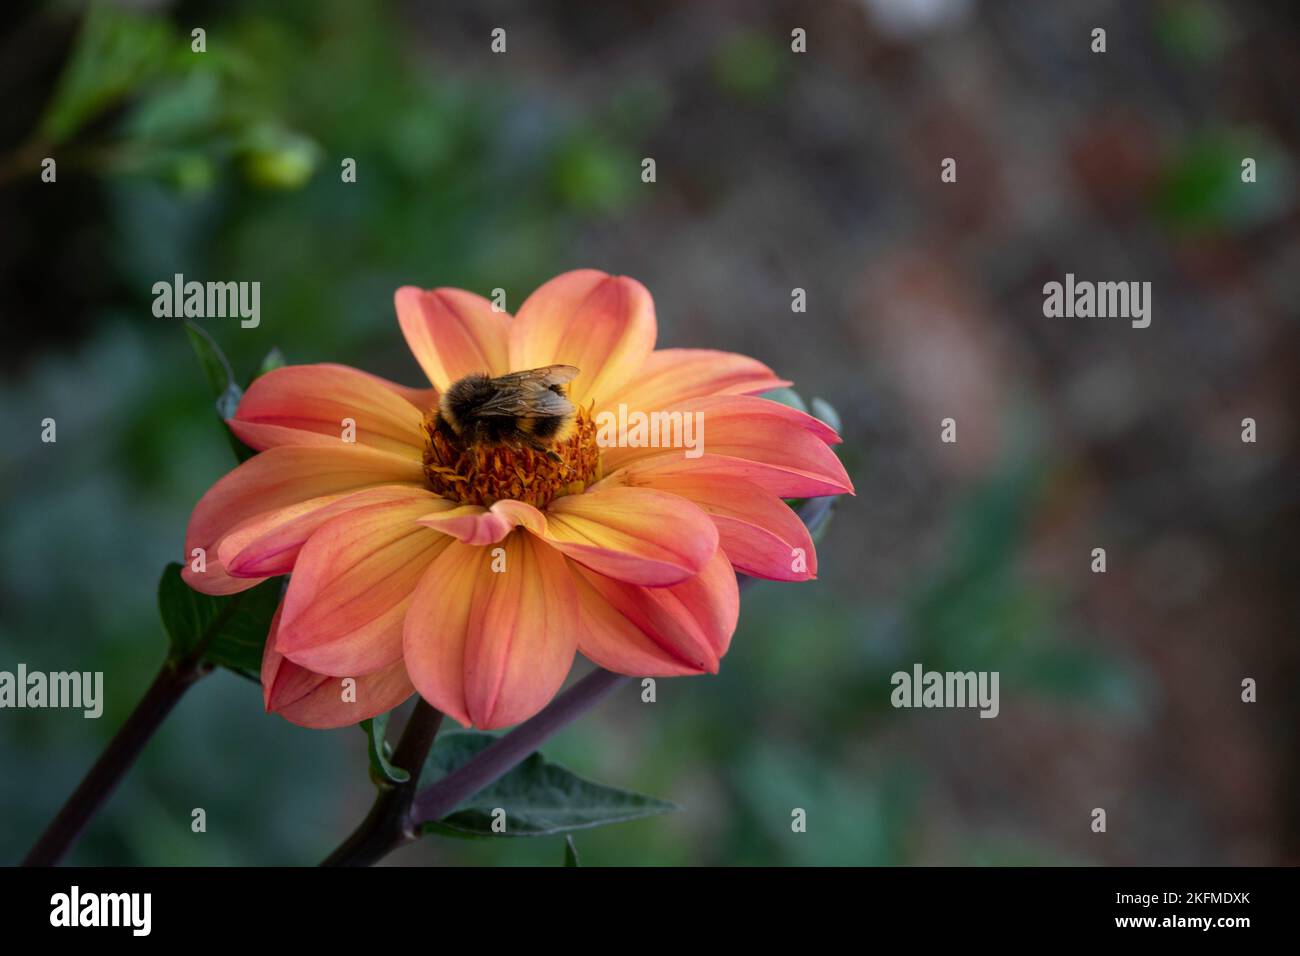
(482, 474)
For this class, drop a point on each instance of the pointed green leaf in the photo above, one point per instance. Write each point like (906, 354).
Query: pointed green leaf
(539, 798)
(229, 631)
(382, 772)
(570, 851)
(221, 379)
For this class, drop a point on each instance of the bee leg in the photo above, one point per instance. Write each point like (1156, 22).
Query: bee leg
(557, 459)
(477, 441)
(543, 449)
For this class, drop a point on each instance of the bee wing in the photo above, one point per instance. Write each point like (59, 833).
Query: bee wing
(541, 378)
(525, 402)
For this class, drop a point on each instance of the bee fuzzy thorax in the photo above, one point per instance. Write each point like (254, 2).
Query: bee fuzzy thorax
(461, 398)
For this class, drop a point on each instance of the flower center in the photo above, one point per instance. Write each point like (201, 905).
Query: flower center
(483, 474)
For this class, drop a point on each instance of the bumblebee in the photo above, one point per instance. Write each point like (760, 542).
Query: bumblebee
(521, 410)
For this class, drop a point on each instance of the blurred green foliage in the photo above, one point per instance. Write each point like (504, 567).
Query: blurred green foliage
(1202, 187)
(187, 113)
(751, 64)
(227, 163)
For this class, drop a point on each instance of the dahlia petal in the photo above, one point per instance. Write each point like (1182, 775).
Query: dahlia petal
(422, 398)
(259, 436)
(671, 631)
(780, 478)
(604, 325)
(789, 446)
(639, 535)
(329, 706)
(313, 700)
(275, 479)
(760, 533)
(474, 524)
(269, 544)
(731, 420)
(452, 333)
(670, 376)
(351, 585)
(303, 404)
(491, 647)
(282, 680)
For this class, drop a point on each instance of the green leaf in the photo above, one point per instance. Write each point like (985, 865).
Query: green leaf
(274, 359)
(184, 111)
(221, 380)
(229, 631)
(216, 368)
(570, 851)
(787, 396)
(539, 798)
(117, 51)
(826, 412)
(381, 771)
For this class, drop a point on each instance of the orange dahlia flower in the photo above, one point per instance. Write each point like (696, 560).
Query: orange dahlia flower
(472, 575)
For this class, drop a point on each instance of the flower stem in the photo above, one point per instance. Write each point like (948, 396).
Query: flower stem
(496, 760)
(386, 826)
(174, 678)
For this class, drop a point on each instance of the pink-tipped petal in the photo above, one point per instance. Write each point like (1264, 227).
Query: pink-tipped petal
(313, 700)
(315, 404)
(638, 535)
(275, 479)
(452, 333)
(810, 480)
(659, 632)
(269, 544)
(759, 532)
(604, 325)
(786, 450)
(351, 585)
(671, 376)
(490, 637)
(474, 524)
(641, 535)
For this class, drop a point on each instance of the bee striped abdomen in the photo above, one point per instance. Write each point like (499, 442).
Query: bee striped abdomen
(550, 427)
